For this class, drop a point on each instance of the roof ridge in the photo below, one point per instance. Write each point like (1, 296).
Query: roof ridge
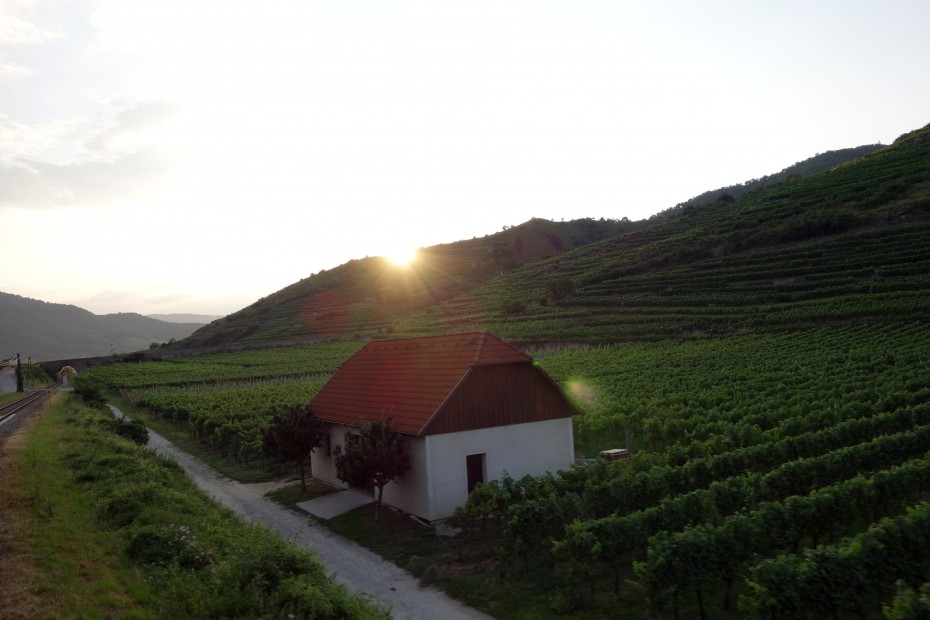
(481, 340)
(426, 337)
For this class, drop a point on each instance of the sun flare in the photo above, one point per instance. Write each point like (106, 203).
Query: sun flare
(401, 257)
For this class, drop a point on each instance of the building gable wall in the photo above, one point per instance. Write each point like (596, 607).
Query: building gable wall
(518, 450)
(500, 395)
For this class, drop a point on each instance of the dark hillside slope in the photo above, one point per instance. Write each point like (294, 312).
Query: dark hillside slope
(852, 243)
(368, 296)
(812, 165)
(47, 331)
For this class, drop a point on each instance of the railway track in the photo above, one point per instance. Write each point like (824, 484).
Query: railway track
(27, 404)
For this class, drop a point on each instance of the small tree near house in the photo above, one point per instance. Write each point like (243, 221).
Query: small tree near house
(292, 435)
(374, 457)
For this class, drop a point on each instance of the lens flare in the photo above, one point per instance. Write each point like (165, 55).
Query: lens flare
(582, 392)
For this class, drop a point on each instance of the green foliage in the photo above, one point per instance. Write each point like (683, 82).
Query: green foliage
(133, 430)
(909, 604)
(559, 289)
(190, 549)
(844, 577)
(374, 457)
(89, 390)
(292, 435)
(513, 306)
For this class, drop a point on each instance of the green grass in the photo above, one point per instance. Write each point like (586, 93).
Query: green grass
(115, 530)
(80, 569)
(293, 494)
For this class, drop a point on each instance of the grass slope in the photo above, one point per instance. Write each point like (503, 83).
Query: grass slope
(106, 528)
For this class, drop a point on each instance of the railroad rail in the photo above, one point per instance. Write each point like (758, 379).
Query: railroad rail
(10, 409)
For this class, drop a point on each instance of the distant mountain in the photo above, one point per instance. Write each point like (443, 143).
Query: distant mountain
(185, 318)
(46, 331)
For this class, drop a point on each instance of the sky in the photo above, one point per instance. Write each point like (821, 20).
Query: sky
(196, 155)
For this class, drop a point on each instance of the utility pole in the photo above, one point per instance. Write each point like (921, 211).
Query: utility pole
(19, 375)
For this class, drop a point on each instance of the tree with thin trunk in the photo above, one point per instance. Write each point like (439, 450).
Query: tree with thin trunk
(374, 457)
(292, 435)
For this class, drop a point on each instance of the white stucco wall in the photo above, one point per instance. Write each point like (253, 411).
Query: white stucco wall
(437, 482)
(323, 466)
(410, 493)
(518, 450)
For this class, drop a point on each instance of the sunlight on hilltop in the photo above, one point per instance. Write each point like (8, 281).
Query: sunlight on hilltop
(402, 257)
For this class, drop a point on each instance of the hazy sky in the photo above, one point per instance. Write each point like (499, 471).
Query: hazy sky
(195, 155)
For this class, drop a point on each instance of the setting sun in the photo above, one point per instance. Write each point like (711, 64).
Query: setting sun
(401, 257)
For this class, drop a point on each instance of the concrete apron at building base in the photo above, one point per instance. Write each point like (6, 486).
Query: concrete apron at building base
(335, 504)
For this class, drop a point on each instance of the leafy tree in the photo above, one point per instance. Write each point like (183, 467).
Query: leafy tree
(292, 435)
(90, 390)
(374, 457)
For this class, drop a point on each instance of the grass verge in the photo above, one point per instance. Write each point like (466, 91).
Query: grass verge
(56, 561)
(110, 529)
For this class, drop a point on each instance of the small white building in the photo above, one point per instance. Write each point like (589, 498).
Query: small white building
(472, 406)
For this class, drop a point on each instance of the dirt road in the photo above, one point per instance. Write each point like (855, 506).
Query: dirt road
(360, 570)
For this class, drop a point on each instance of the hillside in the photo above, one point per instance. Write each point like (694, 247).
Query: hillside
(47, 331)
(812, 165)
(850, 244)
(847, 243)
(370, 295)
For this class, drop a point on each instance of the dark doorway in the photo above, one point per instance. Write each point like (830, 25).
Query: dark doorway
(474, 466)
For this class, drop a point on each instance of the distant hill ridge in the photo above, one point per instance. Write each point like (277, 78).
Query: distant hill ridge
(185, 318)
(783, 254)
(812, 165)
(47, 331)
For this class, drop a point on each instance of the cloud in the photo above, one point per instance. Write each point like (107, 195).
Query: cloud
(102, 166)
(11, 68)
(139, 119)
(18, 27)
(32, 184)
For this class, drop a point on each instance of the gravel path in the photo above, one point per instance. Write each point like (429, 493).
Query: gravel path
(358, 569)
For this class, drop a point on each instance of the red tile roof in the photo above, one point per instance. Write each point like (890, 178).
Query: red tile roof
(411, 381)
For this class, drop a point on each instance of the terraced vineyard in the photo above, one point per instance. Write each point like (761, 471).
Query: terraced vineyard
(752, 451)
(226, 400)
(852, 243)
